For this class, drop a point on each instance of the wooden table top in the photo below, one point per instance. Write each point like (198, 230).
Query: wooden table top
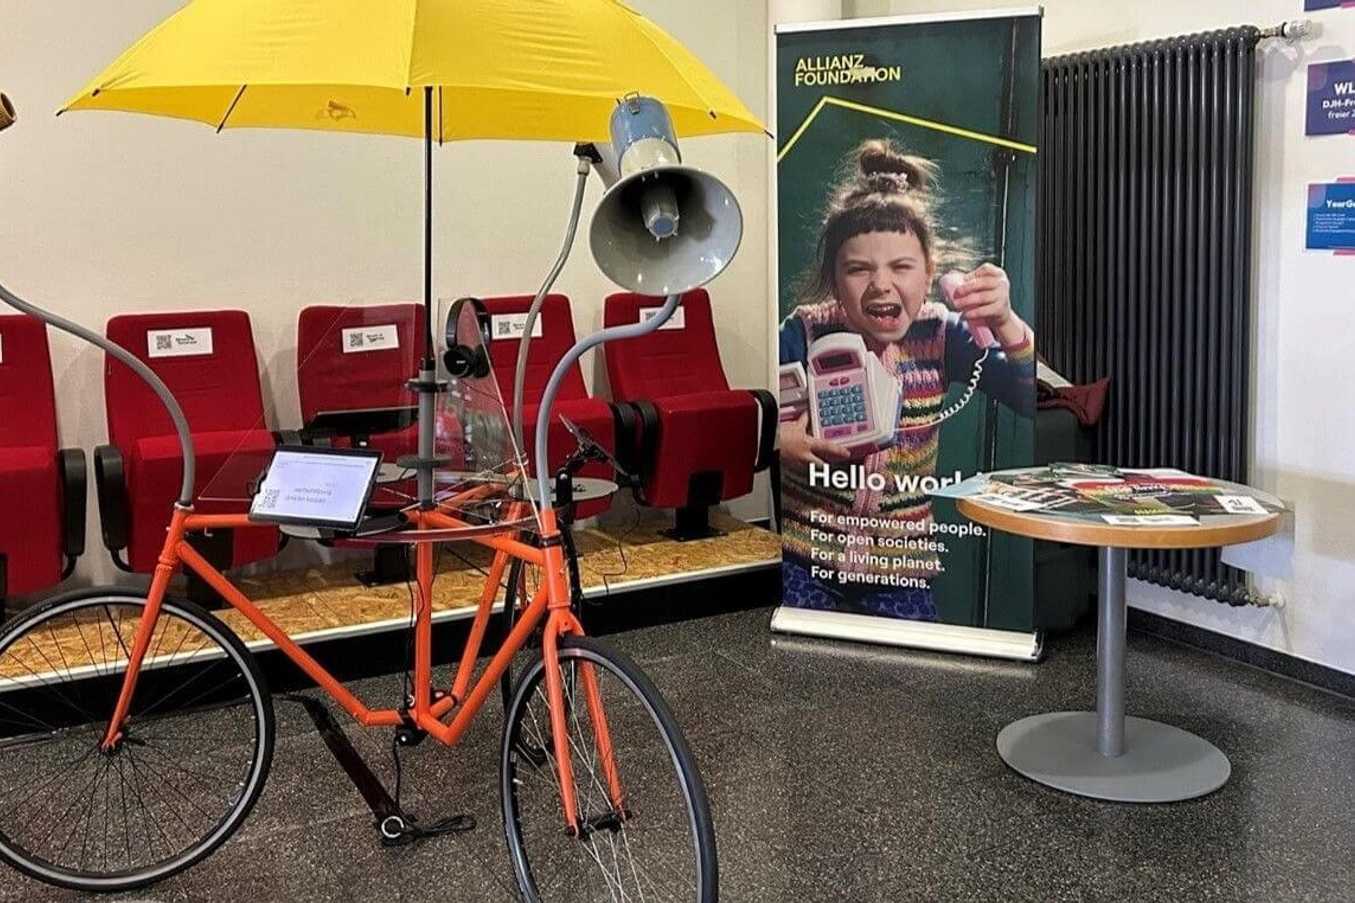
(1212, 531)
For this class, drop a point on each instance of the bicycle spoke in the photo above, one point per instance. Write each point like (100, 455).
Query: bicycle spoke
(84, 642)
(32, 719)
(75, 802)
(179, 689)
(126, 822)
(32, 642)
(117, 632)
(76, 763)
(168, 804)
(145, 812)
(164, 756)
(57, 644)
(164, 779)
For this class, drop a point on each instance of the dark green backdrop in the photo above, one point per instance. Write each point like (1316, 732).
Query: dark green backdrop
(980, 76)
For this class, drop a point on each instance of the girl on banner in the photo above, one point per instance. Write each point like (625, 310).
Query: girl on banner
(863, 548)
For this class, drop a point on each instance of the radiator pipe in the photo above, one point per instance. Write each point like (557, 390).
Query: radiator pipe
(1292, 32)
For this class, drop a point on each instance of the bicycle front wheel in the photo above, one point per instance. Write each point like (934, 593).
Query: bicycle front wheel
(658, 844)
(192, 759)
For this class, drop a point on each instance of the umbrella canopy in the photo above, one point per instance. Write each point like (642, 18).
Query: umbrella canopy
(512, 69)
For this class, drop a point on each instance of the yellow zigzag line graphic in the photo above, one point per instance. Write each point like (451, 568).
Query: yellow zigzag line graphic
(826, 100)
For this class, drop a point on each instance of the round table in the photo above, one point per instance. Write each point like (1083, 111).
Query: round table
(1106, 754)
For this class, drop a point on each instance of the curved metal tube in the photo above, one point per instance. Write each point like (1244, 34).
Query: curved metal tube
(520, 372)
(140, 369)
(629, 331)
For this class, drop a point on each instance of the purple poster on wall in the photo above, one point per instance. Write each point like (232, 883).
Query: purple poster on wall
(1331, 98)
(1310, 5)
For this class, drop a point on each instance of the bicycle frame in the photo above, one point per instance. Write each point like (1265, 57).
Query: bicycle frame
(551, 602)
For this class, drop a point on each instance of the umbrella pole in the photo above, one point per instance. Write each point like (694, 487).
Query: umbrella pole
(427, 385)
(428, 227)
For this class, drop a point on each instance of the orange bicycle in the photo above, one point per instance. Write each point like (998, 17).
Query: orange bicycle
(136, 729)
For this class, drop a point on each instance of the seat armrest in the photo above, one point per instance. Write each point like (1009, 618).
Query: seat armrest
(626, 427)
(768, 419)
(637, 438)
(110, 481)
(74, 491)
(648, 433)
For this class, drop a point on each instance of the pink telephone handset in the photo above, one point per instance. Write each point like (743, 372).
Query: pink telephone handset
(982, 335)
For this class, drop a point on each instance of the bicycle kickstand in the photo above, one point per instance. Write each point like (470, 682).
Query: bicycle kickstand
(396, 826)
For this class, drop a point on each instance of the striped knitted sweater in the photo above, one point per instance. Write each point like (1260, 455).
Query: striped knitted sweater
(936, 351)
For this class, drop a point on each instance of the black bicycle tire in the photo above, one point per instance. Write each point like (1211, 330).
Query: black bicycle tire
(259, 773)
(639, 683)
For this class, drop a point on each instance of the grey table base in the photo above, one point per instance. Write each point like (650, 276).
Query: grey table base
(1104, 754)
(1160, 763)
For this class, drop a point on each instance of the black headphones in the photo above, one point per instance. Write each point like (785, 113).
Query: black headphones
(467, 361)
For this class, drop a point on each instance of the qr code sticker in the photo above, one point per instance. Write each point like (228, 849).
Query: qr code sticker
(356, 340)
(270, 498)
(164, 343)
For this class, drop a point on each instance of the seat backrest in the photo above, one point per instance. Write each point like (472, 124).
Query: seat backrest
(556, 326)
(678, 358)
(341, 368)
(27, 398)
(207, 360)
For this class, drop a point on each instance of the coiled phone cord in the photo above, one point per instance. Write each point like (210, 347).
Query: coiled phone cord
(970, 388)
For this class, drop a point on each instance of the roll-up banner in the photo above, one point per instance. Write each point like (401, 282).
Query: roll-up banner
(906, 178)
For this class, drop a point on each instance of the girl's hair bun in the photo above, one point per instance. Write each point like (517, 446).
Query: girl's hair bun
(883, 167)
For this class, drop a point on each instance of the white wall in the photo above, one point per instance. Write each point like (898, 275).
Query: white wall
(1303, 432)
(106, 213)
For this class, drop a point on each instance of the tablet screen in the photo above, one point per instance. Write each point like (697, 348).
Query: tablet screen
(317, 487)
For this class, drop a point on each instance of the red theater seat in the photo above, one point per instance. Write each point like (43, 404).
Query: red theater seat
(557, 337)
(208, 362)
(705, 441)
(43, 487)
(361, 358)
(335, 373)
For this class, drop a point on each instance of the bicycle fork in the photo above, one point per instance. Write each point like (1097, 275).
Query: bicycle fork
(561, 622)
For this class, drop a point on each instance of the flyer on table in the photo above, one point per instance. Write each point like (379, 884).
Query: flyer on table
(906, 187)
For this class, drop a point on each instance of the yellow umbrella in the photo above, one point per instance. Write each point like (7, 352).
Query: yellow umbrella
(437, 69)
(521, 69)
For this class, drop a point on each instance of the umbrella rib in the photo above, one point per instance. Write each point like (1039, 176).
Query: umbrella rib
(231, 109)
(705, 101)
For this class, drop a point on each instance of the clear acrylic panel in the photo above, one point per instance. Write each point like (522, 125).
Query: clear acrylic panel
(349, 384)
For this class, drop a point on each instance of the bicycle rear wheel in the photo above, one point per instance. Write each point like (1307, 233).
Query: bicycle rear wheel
(195, 751)
(658, 845)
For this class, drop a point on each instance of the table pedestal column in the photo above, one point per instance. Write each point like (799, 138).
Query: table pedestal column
(1106, 754)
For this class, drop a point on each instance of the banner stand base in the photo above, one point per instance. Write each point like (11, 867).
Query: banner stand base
(984, 641)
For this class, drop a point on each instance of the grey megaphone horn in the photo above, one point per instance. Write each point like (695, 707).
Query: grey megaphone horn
(662, 228)
(7, 114)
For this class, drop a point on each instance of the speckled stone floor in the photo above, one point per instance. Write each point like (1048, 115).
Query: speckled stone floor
(849, 773)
